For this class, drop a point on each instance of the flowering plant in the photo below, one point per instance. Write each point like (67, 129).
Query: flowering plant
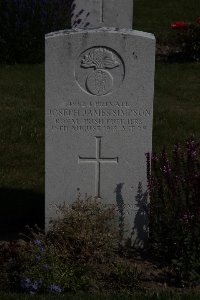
(178, 25)
(68, 256)
(188, 38)
(45, 270)
(174, 188)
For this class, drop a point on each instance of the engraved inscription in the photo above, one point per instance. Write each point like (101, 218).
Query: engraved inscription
(98, 160)
(108, 71)
(99, 117)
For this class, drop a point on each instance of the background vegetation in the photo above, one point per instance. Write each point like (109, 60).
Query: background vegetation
(156, 16)
(23, 25)
(85, 296)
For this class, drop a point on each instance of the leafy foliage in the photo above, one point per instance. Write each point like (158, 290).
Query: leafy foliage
(190, 42)
(188, 39)
(23, 25)
(10, 253)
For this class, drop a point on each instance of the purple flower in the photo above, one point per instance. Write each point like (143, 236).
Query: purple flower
(46, 266)
(35, 286)
(26, 283)
(176, 150)
(192, 148)
(154, 157)
(55, 288)
(176, 147)
(38, 242)
(166, 169)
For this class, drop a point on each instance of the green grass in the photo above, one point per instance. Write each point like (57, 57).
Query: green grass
(21, 148)
(176, 104)
(22, 127)
(156, 16)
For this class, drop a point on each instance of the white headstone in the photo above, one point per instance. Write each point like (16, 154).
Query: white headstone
(102, 13)
(99, 112)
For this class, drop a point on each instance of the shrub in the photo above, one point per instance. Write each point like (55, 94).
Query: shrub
(174, 187)
(10, 253)
(23, 25)
(188, 39)
(75, 252)
(86, 230)
(45, 271)
(125, 275)
(80, 251)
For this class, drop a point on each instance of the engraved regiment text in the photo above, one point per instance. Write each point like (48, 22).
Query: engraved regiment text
(98, 117)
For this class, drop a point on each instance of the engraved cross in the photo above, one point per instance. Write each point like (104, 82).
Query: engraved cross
(98, 160)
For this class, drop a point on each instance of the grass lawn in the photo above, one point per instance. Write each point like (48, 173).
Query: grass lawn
(22, 127)
(21, 147)
(156, 16)
(176, 104)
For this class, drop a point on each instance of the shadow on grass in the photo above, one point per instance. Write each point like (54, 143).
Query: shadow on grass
(19, 208)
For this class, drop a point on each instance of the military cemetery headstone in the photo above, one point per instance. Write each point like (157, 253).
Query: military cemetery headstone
(102, 13)
(99, 112)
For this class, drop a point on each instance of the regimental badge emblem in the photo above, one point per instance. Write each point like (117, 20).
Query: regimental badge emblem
(107, 73)
(100, 81)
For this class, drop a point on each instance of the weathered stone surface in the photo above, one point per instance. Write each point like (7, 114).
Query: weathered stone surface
(99, 112)
(102, 13)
